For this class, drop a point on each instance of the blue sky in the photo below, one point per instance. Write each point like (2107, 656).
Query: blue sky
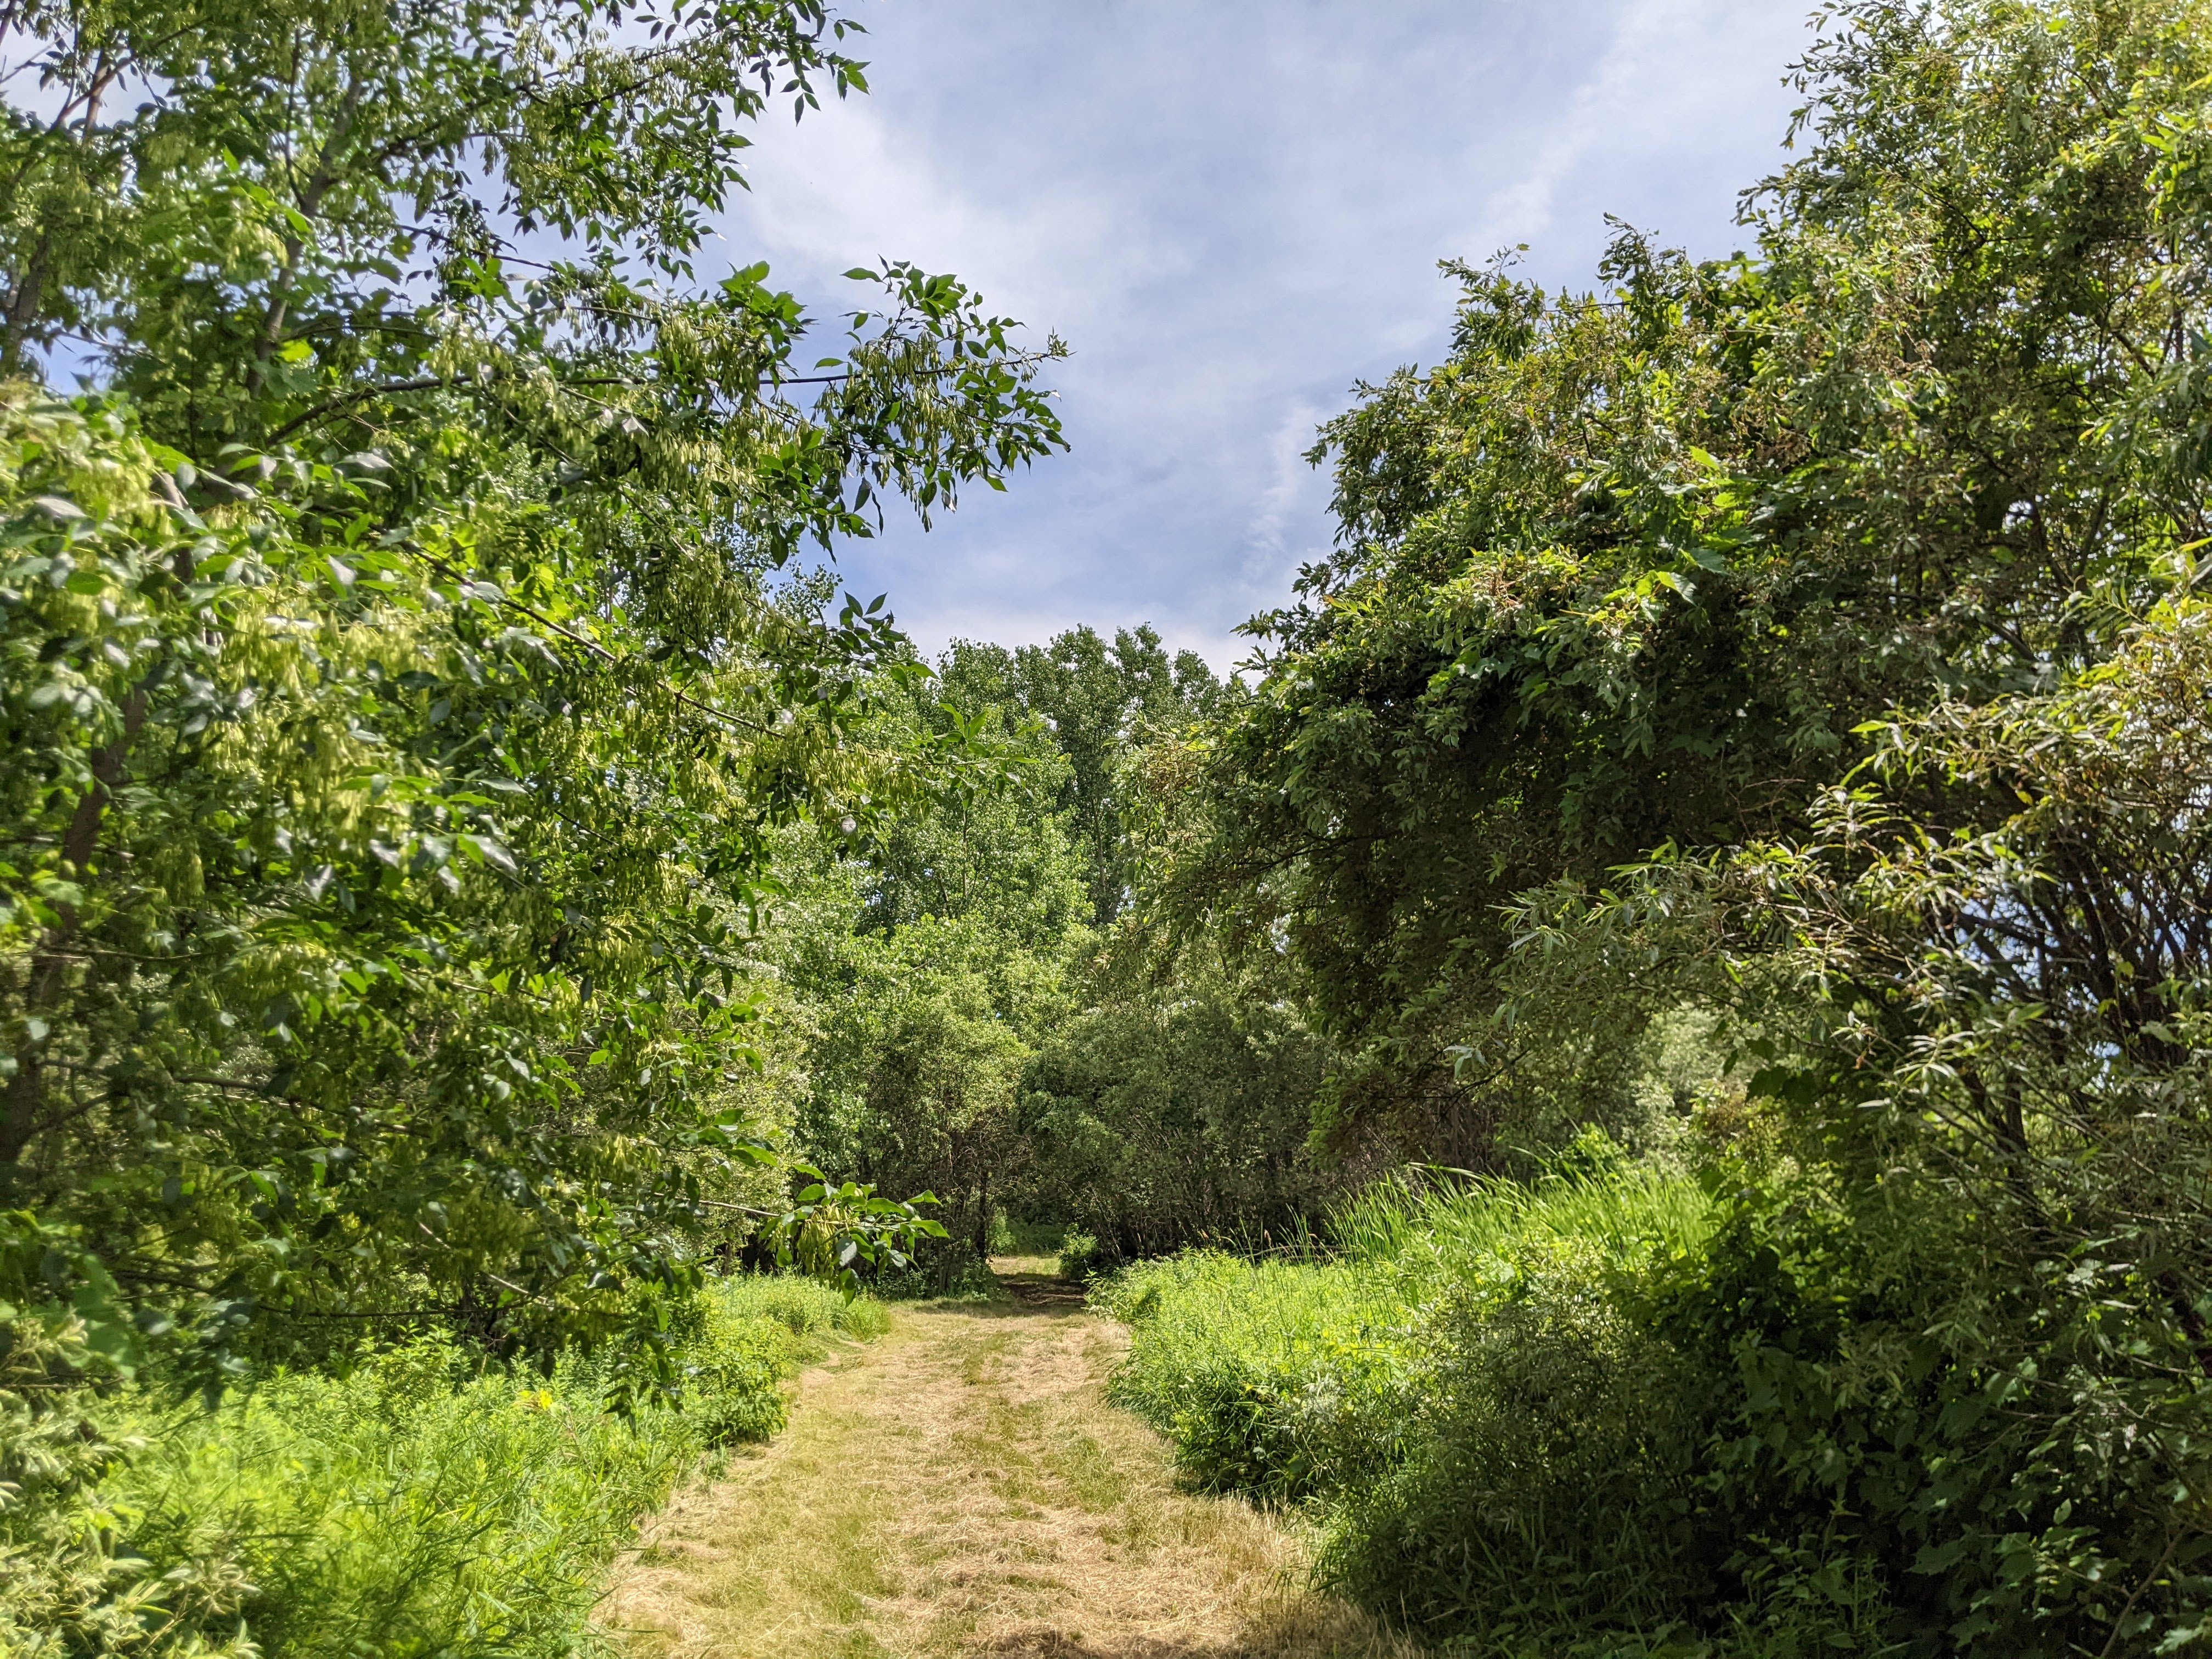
(1232, 209)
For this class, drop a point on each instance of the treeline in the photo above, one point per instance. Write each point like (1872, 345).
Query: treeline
(1739, 788)
(406, 676)
(971, 1002)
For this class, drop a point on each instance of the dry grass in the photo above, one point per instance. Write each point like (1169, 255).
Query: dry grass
(962, 1488)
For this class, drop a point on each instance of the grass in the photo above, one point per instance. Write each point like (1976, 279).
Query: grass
(965, 1490)
(423, 1505)
(1450, 1390)
(812, 1311)
(1295, 1376)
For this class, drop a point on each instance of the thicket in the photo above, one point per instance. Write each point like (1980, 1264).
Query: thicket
(1796, 659)
(424, 1502)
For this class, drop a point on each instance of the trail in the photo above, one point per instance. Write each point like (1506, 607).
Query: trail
(960, 1488)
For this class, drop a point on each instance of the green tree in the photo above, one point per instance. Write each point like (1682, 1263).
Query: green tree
(399, 705)
(1633, 568)
(1952, 1326)
(931, 945)
(1099, 701)
(1166, 1113)
(1807, 638)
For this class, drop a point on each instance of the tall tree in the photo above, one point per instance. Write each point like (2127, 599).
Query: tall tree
(399, 703)
(1100, 701)
(1633, 568)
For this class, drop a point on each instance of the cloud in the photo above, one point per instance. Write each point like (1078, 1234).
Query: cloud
(1233, 212)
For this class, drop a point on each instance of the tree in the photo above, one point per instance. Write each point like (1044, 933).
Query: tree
(930, 946)
(1098, 701)
(1163, 1114)
(399, 703)
(1633, 568)
(1960, 1299)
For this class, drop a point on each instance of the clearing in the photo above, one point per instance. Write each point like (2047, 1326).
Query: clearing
(960, 1487)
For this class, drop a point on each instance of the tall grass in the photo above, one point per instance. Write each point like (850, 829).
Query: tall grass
(424, 1504)
(809, 1310)
(1448, 1374)
(1395, 1221)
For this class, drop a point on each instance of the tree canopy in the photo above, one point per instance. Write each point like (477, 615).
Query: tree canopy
(402, 693)
(1633, 568)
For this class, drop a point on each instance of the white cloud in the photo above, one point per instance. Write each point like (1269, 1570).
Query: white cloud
(1233, 212)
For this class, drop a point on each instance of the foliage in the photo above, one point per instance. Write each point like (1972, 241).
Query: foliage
(1631, 570)
(1166, 1111)
(424, 1503)
(967, 1034)
(399, 707)
(1981, 982)
(1371, 1369)
(930, 948)
(1931, 1377)
(1791, 658)
(931, 1062)
(1100, 703)
(401, 704)
(1079, 1257)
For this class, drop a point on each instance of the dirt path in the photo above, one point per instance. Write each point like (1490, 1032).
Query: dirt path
(960, 1487)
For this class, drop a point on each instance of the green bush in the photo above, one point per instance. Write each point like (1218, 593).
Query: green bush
(1080, 1257)
(1547, 1468)
(1613, 1415)
(425, 1503)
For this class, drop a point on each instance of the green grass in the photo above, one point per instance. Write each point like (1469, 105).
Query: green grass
(1450, 1383)
(810, 1310)
(424, 1504)
(1290, 1376)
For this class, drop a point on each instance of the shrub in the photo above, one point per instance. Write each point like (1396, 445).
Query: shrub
(1080, 1257)
(1546, 1470)
(1500, 1443)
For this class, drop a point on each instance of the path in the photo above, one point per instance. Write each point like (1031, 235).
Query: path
(960, 1488)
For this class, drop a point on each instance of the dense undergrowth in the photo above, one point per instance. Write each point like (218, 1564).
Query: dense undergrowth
(425, 1503)
(1305, 1373)
(1632, 1412)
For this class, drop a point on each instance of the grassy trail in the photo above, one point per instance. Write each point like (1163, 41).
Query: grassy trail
(962, 1488)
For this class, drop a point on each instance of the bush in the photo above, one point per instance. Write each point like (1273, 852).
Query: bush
(1498, 1441)
(1546, 1472)
(1610, 1415)
(1080, 1257)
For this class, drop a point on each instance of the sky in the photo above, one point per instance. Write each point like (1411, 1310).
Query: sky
(1232, 212)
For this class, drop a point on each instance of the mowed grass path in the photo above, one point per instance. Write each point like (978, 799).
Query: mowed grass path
(960, 1488)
